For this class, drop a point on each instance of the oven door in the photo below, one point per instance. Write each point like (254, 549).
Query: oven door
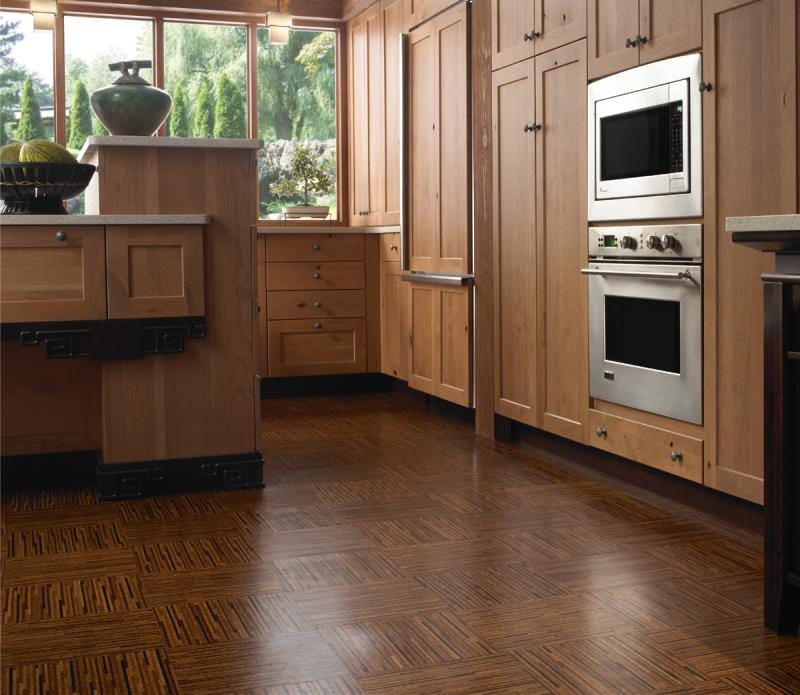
(646, 337)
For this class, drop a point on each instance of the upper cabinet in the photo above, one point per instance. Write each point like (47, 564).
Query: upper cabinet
(422, 10)
(524, 28)
(627, 33)
(438, 132)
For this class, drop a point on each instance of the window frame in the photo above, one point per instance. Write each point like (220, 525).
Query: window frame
(252, 23)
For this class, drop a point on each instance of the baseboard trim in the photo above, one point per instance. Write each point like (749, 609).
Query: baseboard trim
(38, 472)
(326, 385)
(727, 508)
(122, 481)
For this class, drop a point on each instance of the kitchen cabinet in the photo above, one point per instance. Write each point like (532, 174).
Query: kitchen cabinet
(420, 11)
(524, 28)
(375, 94)
(541, 302)
(627, 33)
(52, 274)
(438, 149)
(750, 155)
(440, 362)
(395, 330)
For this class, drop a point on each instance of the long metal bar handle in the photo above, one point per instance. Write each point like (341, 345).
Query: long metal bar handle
(404, 192)
(680, 275)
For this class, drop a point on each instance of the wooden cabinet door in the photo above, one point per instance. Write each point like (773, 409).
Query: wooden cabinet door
(423, 352)
(671, 27)
(155, 271)
(420, 11)
(394, 19)
(453, 130)
(395, 301)
(513, 31)
(52, 274)
(514, 164)
(453, 343)
(750, 155)
(559, 22)
(317, 347)
(359, 118)
(563, 320)
(611, 23)
(423, 166)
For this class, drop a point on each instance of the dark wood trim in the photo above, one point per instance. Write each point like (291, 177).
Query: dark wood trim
(730, 509)
(329, 384)
(149, 478)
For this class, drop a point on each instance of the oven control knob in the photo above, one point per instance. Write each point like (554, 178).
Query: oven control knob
(668, 242)
(627, 242)
(653, 242)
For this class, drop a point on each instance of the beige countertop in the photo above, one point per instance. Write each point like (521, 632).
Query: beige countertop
(267, 231)
(763, 223)
(97, 141)
(73, 220)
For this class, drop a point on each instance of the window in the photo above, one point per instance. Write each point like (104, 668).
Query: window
(91, 44)
(296, 108)
(26, 80)
(205, 71)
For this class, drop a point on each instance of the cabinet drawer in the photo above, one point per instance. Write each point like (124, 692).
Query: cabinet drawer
(307, 304)
(316, 347)
(315, 247)
(390, 247)
(52, 274)
(155, 271)
(343, 275)
(667, 451)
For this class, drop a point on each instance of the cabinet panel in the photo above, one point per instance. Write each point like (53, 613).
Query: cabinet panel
(393, 26)
(514, 166)
(453, 130)
(390, 247)
(422, 10)
(395, 300)
(672, 27)
(315, 247)
(342, 275)
(561, 240)
(359, 115)
(375, 123)
(558, 23)
(307, 304)
(52, 274)
(611, 22)
(453, 375)
(750, 141)
(325, 346)
(423, 350)
(155, 271)
(423, 153)
(512, 24)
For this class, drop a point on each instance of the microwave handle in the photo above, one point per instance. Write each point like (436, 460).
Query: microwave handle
(681, 275)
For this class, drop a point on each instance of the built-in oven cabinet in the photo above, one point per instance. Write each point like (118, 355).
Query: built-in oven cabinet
(627, 33)
(540, 297)
(751, 164)
(524, 28)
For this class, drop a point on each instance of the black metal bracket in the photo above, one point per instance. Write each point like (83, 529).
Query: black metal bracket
(114, 339)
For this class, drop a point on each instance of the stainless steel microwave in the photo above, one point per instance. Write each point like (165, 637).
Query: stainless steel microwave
(645, 142)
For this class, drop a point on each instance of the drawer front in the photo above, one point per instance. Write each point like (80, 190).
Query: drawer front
(325, 304)
(390, 247)
(343, 275)
(52, 274)
(283, 248)
(652, 446)
(317, 347)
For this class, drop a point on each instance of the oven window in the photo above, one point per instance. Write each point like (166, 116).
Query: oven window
(642, 143)
(644, 333)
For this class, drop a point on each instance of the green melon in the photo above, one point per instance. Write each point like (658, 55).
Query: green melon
(45, 151)
(9, 154)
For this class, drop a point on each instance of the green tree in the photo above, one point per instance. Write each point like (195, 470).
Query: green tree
(98, 128)
(80, 117)
(10, 76)
(204, 111)
(30, 124)
(179, 118)
(229, 118)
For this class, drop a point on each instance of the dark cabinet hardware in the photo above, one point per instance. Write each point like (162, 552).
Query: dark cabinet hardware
(315, 247)
(531, 35)
(533, 127)
(61, 236)
(638, 41)
(705, 87)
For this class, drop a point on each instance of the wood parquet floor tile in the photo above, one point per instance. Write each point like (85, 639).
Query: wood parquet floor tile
(392, 552)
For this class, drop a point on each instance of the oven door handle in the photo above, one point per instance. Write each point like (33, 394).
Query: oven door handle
(656, 275)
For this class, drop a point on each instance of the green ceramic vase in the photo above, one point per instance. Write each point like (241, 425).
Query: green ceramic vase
(131, 105)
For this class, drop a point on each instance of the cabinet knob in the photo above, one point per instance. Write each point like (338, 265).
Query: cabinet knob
(315, 247)
(317, 305)
(601, 431)
(533, 127)
(638, 41)
(61, 236)
(317, 325)
(316, 276)
(531, 35)
(705, 87)
(630, 43)
(393, 247)
(300, 305)
(676, 456)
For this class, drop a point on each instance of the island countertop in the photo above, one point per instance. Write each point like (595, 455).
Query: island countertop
(778, 234)
(269, 231)
(763, 223)
(97, 141)
(100, 220)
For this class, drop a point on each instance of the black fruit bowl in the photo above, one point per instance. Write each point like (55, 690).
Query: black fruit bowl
(41, 188)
